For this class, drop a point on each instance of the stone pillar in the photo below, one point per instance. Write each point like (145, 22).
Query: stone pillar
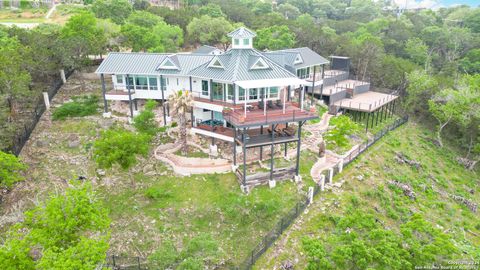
(46, 100)
(340, 166)
(330, 175)
(62, 75)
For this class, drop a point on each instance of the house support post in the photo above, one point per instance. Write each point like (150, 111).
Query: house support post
(321, 87)
(244, 180)
(313, 86)
(271, 183)
(235, 147)
(368, 116)
(299, 144)
(104, 92)
(163, 101)
(211, 124)
(261, 147)
(129, 96)
(289, 93)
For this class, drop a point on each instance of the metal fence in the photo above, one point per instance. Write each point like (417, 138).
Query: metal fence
(137, 263)
(291, 215)
(24, 133)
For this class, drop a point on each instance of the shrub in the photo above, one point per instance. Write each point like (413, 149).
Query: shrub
(80, 106)
(71, 230)
(145, 121)
(157, 193)
(343, 126)
(174, 124)
(10, 169)
(119, 146)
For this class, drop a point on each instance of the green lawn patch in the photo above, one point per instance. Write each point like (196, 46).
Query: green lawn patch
(78, 107)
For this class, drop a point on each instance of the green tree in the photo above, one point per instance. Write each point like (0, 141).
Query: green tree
(208, 30)
(82, 37)
(342, 127)
(445, 106)
(11, 169)
(288, 11)
(14, 78)
(116, 10)
(144, 19)
(69, 230)
(212, 10)
(471, 62)
(145, 121)
(118, 146)
(418, 51)
(421, 87)
(274, 38)
(472, 21)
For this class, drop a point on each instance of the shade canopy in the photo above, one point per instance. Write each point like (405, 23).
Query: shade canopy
(271, 83)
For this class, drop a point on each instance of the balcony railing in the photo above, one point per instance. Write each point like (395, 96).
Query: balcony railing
(274, 114)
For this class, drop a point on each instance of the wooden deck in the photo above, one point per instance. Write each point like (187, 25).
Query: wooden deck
(365, 102)
(341, 86)
(256, 116)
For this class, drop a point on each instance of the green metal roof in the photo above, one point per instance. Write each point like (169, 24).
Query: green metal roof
(242, 32)
(309, 57)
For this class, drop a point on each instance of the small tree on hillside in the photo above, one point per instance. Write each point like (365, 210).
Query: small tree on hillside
(11, 169)
(119, 146)
(182, 102)
(145, 121)
(343, 126)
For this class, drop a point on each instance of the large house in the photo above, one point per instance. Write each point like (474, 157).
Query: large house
(242, 96)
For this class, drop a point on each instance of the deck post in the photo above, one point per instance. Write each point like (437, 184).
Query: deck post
(261, 147)
(386, 111)
(163, 101)
(136, 105)
(321, 87)
(104, 92)
(393, 110)
(368, 116)
(210, 89)
(244, 180)
(302, 96)
(211, 124)
(129, 96)
(373, 118)
(289, 93)
(391, 107)
(286, 144)
(376, 120)
(299, 144)
(234, 97)
(313, 85)
(272, 154)
(235, 146)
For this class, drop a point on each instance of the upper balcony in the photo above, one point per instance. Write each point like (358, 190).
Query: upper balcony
(254, 115)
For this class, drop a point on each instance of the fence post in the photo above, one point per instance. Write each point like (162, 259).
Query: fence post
(46, 99)
(310, 195)
(113, 260)
(138, 262)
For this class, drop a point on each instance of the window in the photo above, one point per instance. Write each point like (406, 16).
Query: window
(120, 79)
(163, 84)
(216, 63)
(246, 41)
(241, 93)
(253, 94)
(230, 89)
(177, 81)
(236, 41)
(273, 93)
(141, 83)
(217, 90)
(204, 88)
(130, 82)
(153, 84)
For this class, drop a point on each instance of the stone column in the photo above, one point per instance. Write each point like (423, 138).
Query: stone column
(46, 99)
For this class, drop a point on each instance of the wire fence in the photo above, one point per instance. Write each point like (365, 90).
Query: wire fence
(291, 215)
(24, 133)
(137, 263)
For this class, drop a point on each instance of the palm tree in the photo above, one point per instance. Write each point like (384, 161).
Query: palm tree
(182, 102)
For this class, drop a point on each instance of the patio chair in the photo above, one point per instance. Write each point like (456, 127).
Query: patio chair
(260, 105)
(279, 103)
(270, 104)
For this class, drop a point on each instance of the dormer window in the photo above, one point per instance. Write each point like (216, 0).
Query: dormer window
(215, 63)
(167, 64)
(236, 41)
(298, 59)
(246, 41)
(260, 64)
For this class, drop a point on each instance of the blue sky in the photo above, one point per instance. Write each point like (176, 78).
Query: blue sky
(473, 3)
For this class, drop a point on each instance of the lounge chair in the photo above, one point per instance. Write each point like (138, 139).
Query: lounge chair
(270, 104)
